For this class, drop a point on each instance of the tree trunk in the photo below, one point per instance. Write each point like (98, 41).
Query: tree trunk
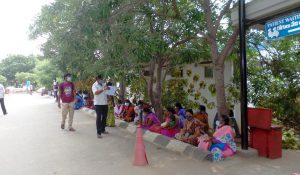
(155, 92)
(158, 89)
(122, 90)
(218, 57)
(220, 88)
(150, 81)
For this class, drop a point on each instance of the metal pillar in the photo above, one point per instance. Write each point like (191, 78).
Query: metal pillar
(243, 74)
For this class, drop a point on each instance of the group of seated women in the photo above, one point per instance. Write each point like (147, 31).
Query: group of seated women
(183, 125)
(124, 111)
(177, 123)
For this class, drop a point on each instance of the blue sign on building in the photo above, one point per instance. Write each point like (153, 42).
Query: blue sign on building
(281, 27)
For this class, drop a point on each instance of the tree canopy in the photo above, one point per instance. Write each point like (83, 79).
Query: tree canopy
(87, 37)
(14, 64)
(2, 79)
(274, 76)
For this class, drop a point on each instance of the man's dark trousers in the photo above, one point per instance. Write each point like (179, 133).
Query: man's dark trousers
(3, 106)
(101, 111)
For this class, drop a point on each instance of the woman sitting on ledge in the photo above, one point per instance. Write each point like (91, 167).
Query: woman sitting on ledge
(221, 144)
(170, 127)
(78, 101)
(202, 117)
(119, 109)
(150, 119)
(191, 129)
(129, 112)
(180, 114)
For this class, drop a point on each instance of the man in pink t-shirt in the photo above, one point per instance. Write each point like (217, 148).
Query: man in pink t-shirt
(67, 96)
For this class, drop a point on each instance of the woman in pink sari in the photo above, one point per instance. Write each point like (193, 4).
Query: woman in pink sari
(150, 119)
(170, 126)
(221, 144)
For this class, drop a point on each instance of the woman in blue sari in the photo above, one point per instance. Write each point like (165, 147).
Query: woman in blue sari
(180, 113)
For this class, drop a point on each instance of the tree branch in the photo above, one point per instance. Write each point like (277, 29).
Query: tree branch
(260, 54)
(183, 41)
(208, 15)
(150, 80)
(228, 46)
(123, 10)
(168, 66)
(175, 8)
(221, 15)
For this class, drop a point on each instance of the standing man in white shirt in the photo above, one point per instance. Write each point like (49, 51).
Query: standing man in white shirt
(2, 92)
(101, 105)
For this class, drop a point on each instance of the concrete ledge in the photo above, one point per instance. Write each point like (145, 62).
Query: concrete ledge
(118, 122)
(199, 154)
(150, 136)
(123, 125)
(131, 129)
(189, 150)
(177, 146)
(162, 140)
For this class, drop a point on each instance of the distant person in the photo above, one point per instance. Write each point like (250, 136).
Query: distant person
(2, 92)
(234, 124)
(216, 121)
(30, 89)
(67, 96)
(101, 105)
(55, 90)
(138, 110)
(28, 83)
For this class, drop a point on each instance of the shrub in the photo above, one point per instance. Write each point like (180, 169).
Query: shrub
(290, 140)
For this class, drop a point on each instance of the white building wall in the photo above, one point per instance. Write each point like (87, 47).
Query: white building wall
(198, 69)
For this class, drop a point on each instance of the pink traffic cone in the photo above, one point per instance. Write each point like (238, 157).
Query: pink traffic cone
(140, 157)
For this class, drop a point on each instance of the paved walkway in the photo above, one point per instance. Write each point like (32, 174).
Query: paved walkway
(31, 143)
